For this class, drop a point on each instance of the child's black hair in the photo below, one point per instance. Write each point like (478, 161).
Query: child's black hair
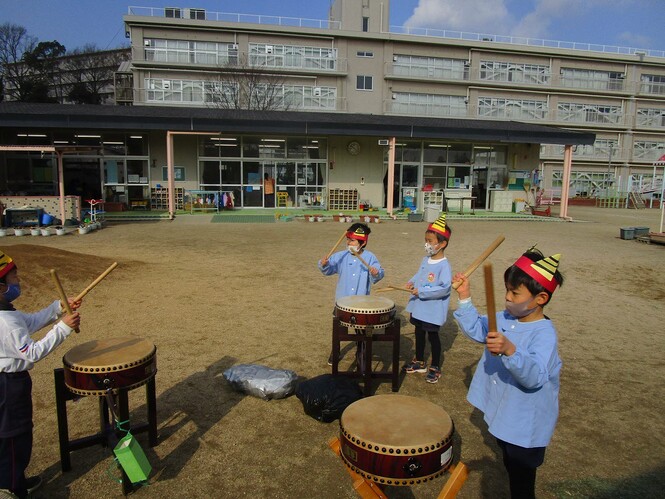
(514, 276)
(365, 228)
(440, 237)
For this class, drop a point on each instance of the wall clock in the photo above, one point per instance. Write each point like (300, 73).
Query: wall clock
(353, 147)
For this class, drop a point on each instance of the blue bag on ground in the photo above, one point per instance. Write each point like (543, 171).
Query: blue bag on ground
(261, 381)
(325, 397)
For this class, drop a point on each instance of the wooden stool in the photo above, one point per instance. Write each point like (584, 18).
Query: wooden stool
(367, 489)
(108, 436)
(367, 337)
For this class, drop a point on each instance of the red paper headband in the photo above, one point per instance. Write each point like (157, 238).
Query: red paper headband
(356, 236)
(542, 270)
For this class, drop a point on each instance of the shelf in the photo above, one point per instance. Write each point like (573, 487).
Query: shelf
(159, 198)
(343, 199)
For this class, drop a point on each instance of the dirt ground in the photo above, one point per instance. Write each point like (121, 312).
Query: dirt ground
(213, 295)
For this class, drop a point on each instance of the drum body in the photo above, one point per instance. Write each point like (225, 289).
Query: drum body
(396, 439)
(96, 366)
(365, 310)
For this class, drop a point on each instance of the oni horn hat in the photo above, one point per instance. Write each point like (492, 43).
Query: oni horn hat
(541, 270)
(359, 233)
(439, 226)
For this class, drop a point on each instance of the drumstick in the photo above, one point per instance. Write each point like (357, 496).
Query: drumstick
(96, 281)
(476, 263)
(342, 237)
(63, 296)
(489, 298)
(392, 288)
(362, 260)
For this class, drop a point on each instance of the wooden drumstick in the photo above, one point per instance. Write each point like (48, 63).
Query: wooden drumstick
(362, 260)
(489, 298)
(63, 296)
(96, 281)
(342, 237)
(483, 256)
(392, 288)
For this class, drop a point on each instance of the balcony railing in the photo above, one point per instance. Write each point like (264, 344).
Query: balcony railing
(200, 14)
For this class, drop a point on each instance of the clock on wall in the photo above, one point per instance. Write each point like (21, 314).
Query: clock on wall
(353, 147)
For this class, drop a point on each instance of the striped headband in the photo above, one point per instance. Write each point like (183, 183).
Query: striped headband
(542, 270)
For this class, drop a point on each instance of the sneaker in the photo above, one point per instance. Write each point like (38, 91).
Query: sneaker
(415, 366)
(330, 360)
(33, 483)
(433, 374)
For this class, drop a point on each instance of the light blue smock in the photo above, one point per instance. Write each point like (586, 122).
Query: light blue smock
(518, 394)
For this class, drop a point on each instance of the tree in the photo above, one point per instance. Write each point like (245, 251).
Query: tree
(242, 86)
(43, 62)
(88, 71)
(14, 75)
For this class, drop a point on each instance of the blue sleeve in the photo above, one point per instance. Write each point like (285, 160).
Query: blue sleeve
(374, 262)
(472, 324)
(530, 365)
(333, 264)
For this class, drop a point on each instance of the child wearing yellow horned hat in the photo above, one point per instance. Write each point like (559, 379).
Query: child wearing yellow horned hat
(516, 383)
(18, 354)
(430, 294)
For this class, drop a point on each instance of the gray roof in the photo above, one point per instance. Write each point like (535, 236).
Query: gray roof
(142, 118)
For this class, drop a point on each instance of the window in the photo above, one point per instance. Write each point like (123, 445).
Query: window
(172, 12)
(364, 82)
(653, 84)
(365, 24)
(515, 72)
(364, 53)
(430, 67)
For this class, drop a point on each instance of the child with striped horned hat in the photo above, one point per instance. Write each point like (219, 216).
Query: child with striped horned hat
(430, 294)
(516, 383)
(18, 354)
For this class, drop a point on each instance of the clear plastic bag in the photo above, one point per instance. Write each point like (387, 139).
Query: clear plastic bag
(261, 381)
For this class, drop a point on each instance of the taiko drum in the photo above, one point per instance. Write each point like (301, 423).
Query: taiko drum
(365, 310)
(396, 439)
(97, 366)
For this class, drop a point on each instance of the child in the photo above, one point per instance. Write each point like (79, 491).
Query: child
(428, 304)
(354, 277)
(516, 383)
(18, 353)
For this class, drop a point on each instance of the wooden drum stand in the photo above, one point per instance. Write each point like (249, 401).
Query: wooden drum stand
(108, 369)
(367, 337)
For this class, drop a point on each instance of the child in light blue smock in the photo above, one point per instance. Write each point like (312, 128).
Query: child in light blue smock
(354, 277)
(430, 294)
(516, 383)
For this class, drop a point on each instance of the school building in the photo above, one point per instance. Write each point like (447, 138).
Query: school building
(343, 112)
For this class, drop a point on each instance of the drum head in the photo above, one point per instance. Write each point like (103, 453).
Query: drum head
(397, 421)
(109, 354)
(365, 303)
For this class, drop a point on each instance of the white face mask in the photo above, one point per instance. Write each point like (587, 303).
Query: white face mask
(353, 249)
(431, 250)
(519, 310)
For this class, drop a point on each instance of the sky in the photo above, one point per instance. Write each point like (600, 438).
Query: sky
(623, 23)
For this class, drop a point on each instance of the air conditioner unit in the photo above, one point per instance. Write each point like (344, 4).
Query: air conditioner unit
(384, 142)
(394, 96)
(316, 91)
(233, 46)
(147, 43)
(166, 85)
(269, 49)
(395, 58)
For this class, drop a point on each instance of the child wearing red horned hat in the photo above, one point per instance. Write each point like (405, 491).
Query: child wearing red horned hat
(516, 383)
(18, 354)
(354, 277)
(430, 294)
